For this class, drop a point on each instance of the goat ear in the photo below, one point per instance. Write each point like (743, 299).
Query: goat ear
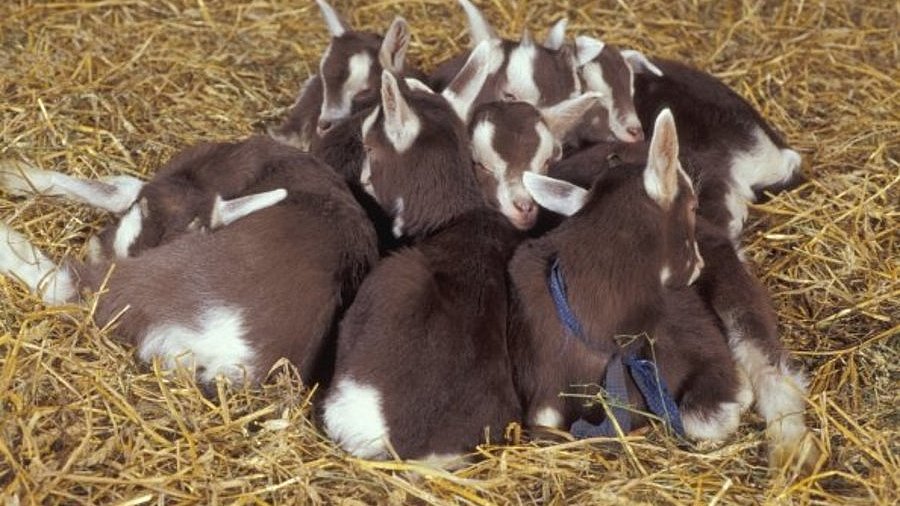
(587, 48)
(225, 212)
(336, 25)
(479, 28)
(392, 54)
(114, 194)
(557, 35)
(639, 63)
(465, 87)
(401, 124)
(564, 116)
(556, 195)
(661, 174)
(527, 39)
(415, 84)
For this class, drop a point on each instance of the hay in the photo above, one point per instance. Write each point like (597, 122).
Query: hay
(106, 87)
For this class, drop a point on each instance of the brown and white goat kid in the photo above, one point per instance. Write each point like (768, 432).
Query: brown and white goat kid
(349, 70)
(540, 74)
(422, 365)
(627, 255)
(739, 150)
(606, 70)
(511, 138)
(739, 300)
(233, 300)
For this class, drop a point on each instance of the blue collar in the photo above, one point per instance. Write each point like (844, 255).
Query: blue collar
(643, 372)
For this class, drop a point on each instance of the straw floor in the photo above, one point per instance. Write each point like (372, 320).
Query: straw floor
(117, 86)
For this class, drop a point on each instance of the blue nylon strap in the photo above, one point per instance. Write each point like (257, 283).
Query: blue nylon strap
(561, 300)
(617, 399)
(653, 389)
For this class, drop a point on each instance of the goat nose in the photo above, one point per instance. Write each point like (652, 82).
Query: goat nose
(324, 125)
(524, 206)
(636, 132)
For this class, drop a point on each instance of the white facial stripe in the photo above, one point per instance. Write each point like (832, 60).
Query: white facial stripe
(360, 68)
(544, 150)
(130, 226)
(483, 150)
(520, 75)
(594, 81)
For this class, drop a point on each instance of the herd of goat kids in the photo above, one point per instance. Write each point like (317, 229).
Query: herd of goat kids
(497, 242)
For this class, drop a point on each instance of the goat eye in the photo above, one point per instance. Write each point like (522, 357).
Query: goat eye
(509, 97)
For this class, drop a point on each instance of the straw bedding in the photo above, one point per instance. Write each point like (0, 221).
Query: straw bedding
(117, 86)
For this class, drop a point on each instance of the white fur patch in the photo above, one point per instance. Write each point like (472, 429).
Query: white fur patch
(714, 426)
(520, 75)
(698, 265)
(338, 108)
(665, 274)
(546, 143)
(354, 419)
(128, 230)
(548, 417)
(745, 389)
(399, 223)
(216, 343)
(22, 260)
(780, 391)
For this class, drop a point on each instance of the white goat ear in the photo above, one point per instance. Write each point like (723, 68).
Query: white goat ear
(479, 28)
(661, 174)
(556, 37)
(392, 54)
(415, 84)
(639, 63)
(225, 212)
(401, 124)
(465, 87)
(566, 115)
(586, 49)
(115, 194)
(336, 25)
(556, 195)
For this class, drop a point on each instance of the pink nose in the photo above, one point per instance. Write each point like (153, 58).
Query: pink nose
(636, 132)
(524, 206)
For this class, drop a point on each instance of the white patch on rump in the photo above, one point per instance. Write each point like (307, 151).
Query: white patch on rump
(354, 419)
(216, 343)
(127, 232)
(548, 417)
(714, 426)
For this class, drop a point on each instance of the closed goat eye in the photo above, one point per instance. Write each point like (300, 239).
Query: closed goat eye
(509, 97)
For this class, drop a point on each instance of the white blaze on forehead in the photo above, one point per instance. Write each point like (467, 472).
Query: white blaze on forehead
(483, 149)
(520, 74)
(354, 419)
(128, 230)
(546, 144)
(338, 107)
(215, 343)
(594, 81)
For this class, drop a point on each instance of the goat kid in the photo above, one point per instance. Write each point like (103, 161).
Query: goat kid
(349, 71)
(540, 74)
(627, 255)
(422, 367)
(233, 300)
(739, 300)
(511, 138)
(736, 144)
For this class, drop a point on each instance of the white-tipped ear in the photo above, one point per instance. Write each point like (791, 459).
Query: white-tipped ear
(401, 124)
(225, 212)
(564, 116)
(465, 87)
(661, 174)
(392, 54)
(556, 195)
(115, 194)
(587, 48)
(639, 63)
(336, 25)
(415, 84)
(479, 29)
(556, 37)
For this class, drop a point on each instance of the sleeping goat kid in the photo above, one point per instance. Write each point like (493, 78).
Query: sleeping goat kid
(625, 258)
(349, 70)
(233, 300)
(422, 366)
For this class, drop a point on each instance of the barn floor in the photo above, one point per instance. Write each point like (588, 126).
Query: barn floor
(117, 86)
